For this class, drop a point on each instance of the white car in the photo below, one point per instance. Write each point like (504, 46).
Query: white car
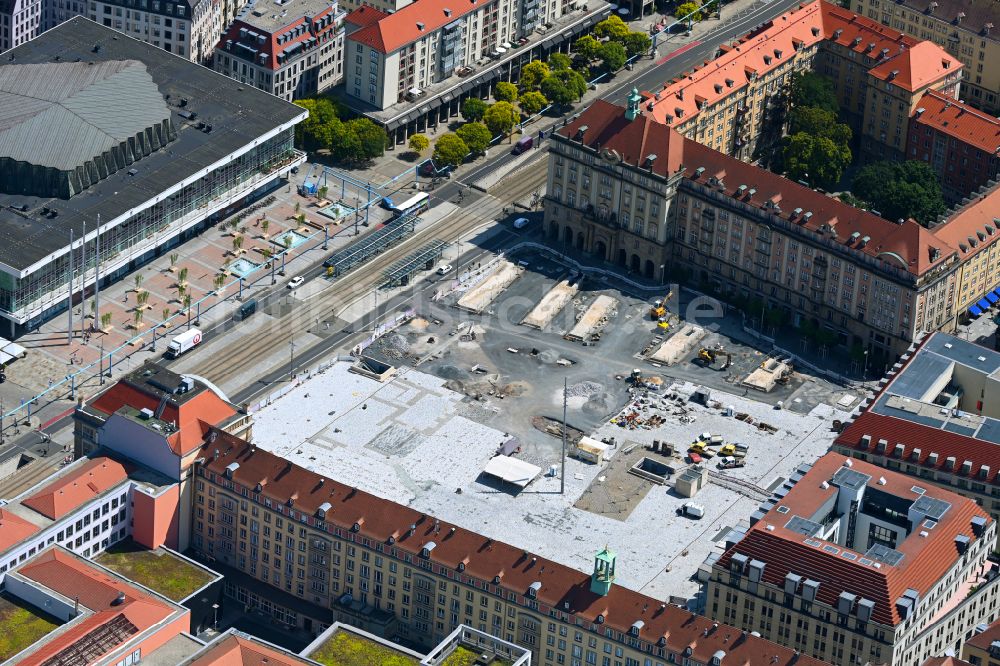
(444, 269)
(520, 223)
(296, 282)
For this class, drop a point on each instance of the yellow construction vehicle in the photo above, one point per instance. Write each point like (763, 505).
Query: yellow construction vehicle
(709, 357)
(659, 309)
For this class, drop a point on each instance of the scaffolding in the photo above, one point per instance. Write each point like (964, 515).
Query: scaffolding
(370, 245)
(398, 275)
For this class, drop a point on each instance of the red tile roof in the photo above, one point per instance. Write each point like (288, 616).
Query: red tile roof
(916, 67)
(973, 228)
(630, 141)
(364, 16)
(945, 661)
(925, 559)
(775, 42)
(13, 530)
(912, 435)
(414, 21)
(961, 121)
(907, 246)
(97, 590)
(72, 490)
(563, 589)
(984, 639)
(313, 29)
(242, 650)
(190, 413)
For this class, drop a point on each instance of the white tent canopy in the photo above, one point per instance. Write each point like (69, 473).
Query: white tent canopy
(512, 470)
(14, 349)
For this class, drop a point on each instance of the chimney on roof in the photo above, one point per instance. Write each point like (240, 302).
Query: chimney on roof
(893, 74)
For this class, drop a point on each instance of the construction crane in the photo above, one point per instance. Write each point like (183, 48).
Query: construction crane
(709, 357)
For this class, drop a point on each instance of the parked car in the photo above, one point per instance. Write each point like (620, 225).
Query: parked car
(521, 223)
(444, 269)
(296, 282)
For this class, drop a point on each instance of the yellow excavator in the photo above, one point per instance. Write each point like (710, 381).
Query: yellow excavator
(709, 357)
(659, 309)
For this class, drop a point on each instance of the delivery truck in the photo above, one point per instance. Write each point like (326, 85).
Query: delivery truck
(183, 342)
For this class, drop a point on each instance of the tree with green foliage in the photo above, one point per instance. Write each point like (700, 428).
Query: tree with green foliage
(345, 144)
(505, 92)
(501, 118)
(418, 143)
(532, 102)
(450, 150)
(637, 43)
(314, 132)
(686, 8)
(613, 56)
(818, 122)
(587, 47)
(564, 87)
(473, 109)
(476, 136)
(816, 90)
(901, 190)
(532, 75)
(558, 61)
(371, 137)
(613, 28)
(816, 160)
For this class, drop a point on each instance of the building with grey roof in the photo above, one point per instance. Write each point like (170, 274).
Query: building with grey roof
(110, 138)
(188, 28)
(292, 51)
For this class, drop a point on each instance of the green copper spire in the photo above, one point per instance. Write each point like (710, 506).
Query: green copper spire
(634, 99)
(604, 572)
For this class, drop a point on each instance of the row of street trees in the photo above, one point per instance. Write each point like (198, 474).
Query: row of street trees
(354, 141)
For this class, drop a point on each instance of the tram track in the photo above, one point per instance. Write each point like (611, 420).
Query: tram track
(221, 358)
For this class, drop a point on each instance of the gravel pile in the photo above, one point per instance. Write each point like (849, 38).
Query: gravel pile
(584, 390)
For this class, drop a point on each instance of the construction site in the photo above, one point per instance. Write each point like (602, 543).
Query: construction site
(459, 410)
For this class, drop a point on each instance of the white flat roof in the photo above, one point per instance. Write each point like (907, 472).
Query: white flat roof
(512, 470)
(403, 445)
(14, 349)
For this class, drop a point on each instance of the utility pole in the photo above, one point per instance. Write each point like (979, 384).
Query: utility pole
(562, 474)
(69, 327)
(97, 275)
(291, 361)
(83, 282)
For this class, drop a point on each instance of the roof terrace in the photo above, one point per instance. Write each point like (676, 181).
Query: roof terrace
(343, 645)
(21, 626)
(161, 570)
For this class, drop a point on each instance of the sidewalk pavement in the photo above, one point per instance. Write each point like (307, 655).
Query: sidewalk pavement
(53, 355)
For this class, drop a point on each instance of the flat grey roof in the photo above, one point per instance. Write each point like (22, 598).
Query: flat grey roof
(919, 374)
(62, 114)
(238, 114)
(846, 477)
(271, 17)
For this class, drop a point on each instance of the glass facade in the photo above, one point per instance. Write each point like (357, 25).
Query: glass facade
(43, 292)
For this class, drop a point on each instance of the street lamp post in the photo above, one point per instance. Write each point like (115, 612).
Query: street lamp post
(865, 375)
(291, 360)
